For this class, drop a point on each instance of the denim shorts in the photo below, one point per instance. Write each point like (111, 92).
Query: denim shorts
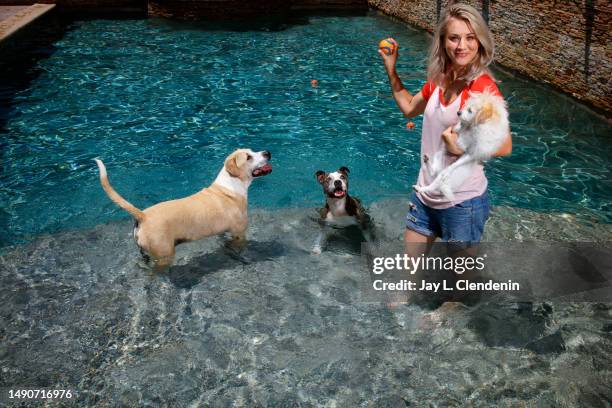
(462, 223)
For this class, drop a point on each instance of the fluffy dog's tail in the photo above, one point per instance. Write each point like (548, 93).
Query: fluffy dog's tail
(113, 195)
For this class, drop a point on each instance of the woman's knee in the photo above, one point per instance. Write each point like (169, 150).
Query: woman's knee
(417, 244)
(411, 236)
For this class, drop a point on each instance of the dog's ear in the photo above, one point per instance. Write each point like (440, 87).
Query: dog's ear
(241, 158)
(485, 113)
(235, 162)
(320, 175)
(344, 170)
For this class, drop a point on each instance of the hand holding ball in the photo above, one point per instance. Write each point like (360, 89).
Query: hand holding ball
(388, 46)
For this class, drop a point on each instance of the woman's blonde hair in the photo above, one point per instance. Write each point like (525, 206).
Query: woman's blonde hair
(439, 62)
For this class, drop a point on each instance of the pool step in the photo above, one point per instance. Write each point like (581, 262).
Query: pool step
(19, 17)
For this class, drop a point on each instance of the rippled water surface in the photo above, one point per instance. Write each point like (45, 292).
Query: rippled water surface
(279, 327)
(162, 103)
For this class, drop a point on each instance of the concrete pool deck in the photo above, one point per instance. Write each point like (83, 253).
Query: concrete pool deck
(14, 18)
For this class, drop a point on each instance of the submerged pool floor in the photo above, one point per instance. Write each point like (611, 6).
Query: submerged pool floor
(278, 326)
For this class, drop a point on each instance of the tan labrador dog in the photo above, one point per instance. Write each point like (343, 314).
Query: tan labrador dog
(222, 207)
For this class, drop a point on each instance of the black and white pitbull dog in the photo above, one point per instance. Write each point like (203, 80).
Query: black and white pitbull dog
(340, 208)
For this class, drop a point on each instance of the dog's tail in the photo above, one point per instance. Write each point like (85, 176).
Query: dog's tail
(113, 195)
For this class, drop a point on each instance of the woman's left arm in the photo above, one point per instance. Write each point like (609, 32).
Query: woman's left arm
(484, 83)
(506, 148)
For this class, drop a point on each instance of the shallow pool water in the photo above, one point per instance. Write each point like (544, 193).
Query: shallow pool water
(162, 103)
(277, 326)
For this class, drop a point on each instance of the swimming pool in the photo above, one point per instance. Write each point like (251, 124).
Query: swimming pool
(163, 103)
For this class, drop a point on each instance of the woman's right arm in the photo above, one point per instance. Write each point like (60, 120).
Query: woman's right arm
(410, 105)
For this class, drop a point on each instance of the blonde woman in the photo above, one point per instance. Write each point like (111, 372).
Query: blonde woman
(461, 51)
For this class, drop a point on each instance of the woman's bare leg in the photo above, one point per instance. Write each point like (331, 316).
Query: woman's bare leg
(416, 244)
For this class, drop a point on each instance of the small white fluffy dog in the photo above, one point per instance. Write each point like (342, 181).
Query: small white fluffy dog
(482, 129)
(216, 209)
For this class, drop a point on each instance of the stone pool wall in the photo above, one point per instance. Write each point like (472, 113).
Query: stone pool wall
(561, 42)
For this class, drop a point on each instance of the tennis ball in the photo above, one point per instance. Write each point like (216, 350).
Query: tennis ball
(388, 46)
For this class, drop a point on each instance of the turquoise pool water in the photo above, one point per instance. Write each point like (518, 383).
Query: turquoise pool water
(162, 103)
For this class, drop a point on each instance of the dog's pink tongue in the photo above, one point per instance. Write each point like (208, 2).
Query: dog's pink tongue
(263, 170)
(339, 193)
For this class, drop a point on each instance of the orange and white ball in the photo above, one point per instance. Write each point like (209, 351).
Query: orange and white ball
(388, 46)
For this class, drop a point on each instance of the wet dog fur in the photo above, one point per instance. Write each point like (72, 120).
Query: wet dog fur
(340, 208)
